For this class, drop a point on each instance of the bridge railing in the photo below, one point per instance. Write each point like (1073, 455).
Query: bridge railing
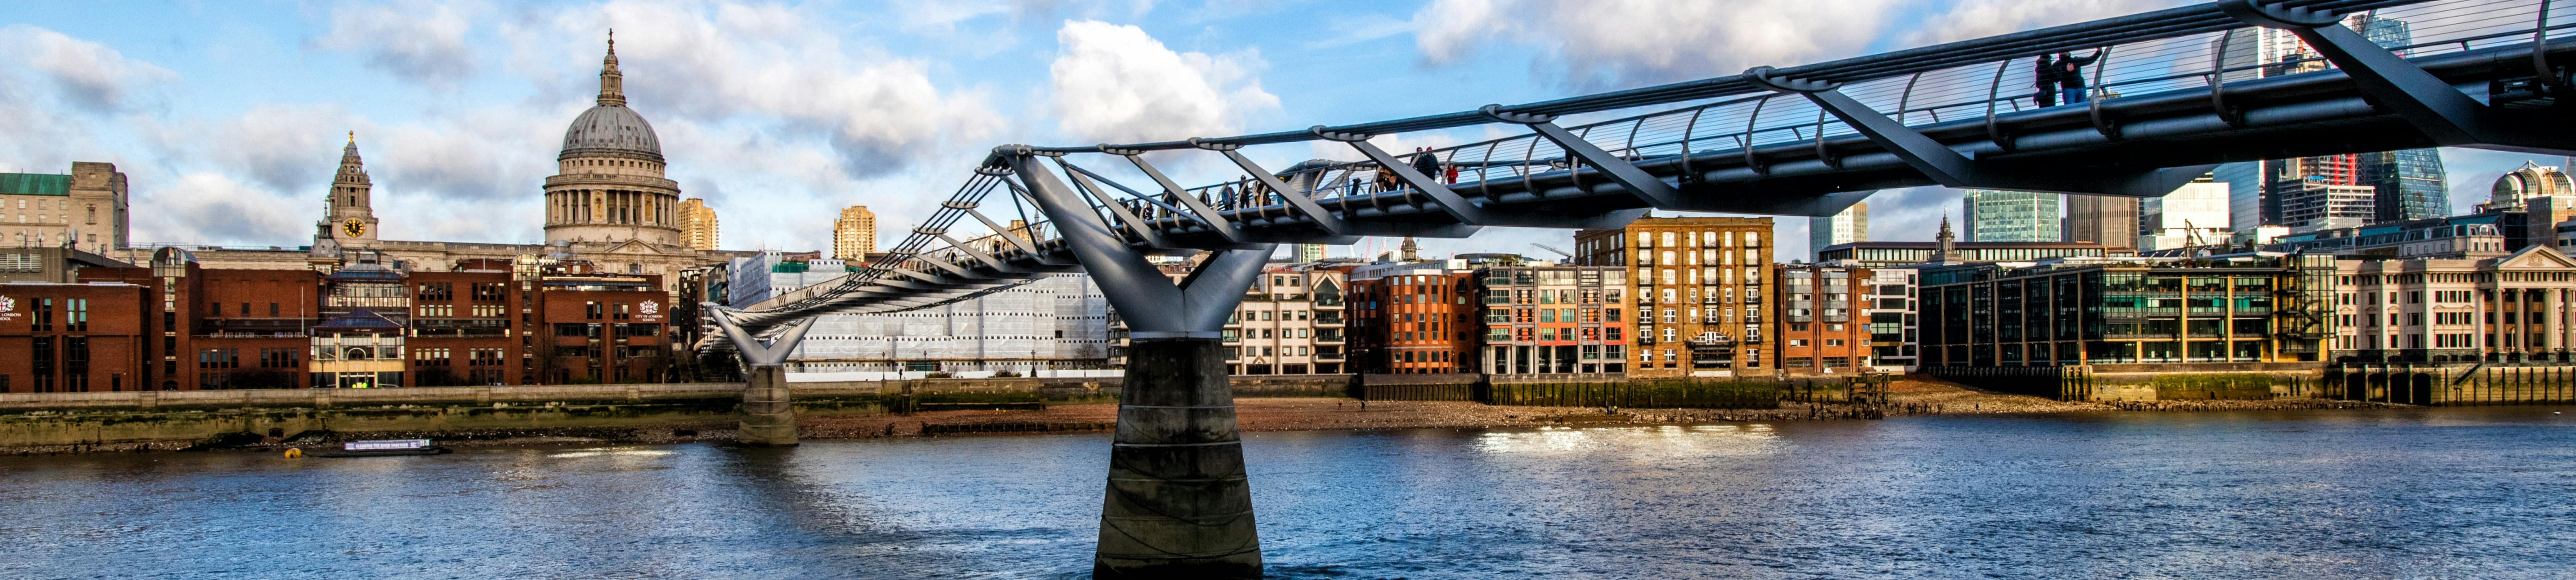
(1988, 80)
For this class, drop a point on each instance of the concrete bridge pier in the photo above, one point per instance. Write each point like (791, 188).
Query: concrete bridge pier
(768, 417)
(1178, 504)
(768, 412)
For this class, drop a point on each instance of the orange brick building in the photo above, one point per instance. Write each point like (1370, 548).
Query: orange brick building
(1413, 318)
(1823, 324)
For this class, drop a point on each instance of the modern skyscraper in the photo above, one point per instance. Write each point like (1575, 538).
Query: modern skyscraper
(855, 234)
(1852, 225)
(1310, 253)
(697, 224)
(2010, 216)
(2405, 185)
(2247, 208)
(2408, 184)
(2313, 205)
(2102, 219)
(2195, 215)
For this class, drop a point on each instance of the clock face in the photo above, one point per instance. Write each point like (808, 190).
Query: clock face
(354, 227)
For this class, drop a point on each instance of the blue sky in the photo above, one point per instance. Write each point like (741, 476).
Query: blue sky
(229, 116)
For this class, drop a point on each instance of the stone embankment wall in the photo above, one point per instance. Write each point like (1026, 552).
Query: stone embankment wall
(2463, 384)
(2146, 382)
(1600, 390)
(2472, 384)
(106, 418)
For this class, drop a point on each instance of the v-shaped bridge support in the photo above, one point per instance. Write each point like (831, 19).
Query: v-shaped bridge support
(1949, 168)
(768, 412)
(1177, 503)
(757, 352)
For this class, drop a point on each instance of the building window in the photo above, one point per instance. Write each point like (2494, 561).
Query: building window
(438, 357)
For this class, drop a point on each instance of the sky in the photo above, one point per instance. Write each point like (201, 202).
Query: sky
(228, 117)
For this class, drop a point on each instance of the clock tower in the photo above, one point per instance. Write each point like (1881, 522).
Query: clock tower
(351, 221)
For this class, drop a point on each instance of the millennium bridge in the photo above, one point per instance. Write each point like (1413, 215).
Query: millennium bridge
(2174, 93)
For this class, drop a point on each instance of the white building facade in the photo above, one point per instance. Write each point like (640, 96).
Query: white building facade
(2196, 214)
(1057, 323)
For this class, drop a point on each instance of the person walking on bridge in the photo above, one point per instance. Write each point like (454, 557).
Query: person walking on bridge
(1426, 163)
(2044, 77)
(2070, 74)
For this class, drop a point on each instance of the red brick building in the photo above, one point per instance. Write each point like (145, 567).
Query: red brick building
(70, 338)
(173, 325)
(1413, 318)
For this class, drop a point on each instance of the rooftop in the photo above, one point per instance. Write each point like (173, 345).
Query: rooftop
(35, 184)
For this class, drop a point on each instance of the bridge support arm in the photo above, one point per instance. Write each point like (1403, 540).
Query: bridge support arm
(2446, 115)
(1644, 185)
(1134, 223)
(1024, 245)
(1146, 298)
(2433, 106)
(1206, 215)
(1334, 224)
(1467, 212)
(1947, 167)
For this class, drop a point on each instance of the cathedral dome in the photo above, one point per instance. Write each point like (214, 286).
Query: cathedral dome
(611, 130)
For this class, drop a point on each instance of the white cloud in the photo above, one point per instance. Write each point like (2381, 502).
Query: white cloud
(1983, 18)
(1360, 28)
(1623, 43)
(443, 178)
(210, 208)
(88, 74)
(1607, 43)
(416, 40)
(770, 65)
(943, 15)
(1118, 84)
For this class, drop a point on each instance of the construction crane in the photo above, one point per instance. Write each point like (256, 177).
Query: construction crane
(1567, 255)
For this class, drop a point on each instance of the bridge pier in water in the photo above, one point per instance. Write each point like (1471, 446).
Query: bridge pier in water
(768, 415)
(768, 410)
(1178, 504)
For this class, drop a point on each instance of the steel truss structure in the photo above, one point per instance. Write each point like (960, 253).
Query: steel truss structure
(2493, 82)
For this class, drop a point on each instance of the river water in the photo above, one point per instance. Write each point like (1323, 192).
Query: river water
(2439, 493)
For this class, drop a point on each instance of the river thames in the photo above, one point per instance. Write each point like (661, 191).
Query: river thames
(2436, 493)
